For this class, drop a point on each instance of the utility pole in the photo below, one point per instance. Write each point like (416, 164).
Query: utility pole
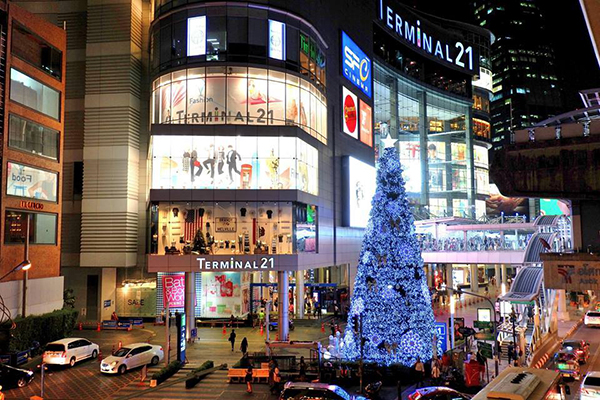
(26, 273)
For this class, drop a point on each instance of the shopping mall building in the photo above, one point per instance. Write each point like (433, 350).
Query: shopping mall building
(257, 128)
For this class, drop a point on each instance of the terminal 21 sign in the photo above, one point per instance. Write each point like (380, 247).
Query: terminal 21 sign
(429, 39)
(356, 66)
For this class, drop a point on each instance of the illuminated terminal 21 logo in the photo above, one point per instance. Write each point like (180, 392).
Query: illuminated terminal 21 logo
(566, 271)
(356, 65)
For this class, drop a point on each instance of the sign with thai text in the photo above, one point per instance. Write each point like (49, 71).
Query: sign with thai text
(571, 275)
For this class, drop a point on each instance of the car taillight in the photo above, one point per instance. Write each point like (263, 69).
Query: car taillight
(584, 391)
(161, 349)
(63, 354)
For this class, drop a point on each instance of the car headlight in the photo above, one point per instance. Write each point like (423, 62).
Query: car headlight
(29, 373)
(112, 364)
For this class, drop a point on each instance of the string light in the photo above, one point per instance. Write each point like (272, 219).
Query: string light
(390, 296)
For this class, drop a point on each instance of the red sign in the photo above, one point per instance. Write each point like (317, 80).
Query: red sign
(350, 113)
(174, 290)
(366, 124)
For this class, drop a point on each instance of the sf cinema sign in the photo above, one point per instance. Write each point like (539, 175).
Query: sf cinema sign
(356, 66)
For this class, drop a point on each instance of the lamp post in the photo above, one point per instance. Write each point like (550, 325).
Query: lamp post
(26, 275)
(496, 367)
(513, 320)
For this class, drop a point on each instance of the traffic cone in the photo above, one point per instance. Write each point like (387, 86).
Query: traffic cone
(80, 326)
(224, 330)
(120, 344)
(99, 327)
(323, 327)
(261, 330)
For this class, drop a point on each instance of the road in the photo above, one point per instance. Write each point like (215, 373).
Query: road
(592, 336)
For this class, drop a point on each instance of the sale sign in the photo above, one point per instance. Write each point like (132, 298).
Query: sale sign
(174, 290)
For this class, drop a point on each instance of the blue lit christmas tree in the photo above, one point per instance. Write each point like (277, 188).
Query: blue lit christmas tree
(391, 298)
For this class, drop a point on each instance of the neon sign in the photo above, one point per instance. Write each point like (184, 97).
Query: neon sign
(356, 66)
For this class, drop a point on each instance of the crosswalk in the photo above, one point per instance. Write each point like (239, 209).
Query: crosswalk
(212, 387)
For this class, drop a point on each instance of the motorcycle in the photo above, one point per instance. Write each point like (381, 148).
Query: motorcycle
(372, 390)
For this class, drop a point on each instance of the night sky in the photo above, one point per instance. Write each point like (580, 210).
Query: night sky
(567, 32)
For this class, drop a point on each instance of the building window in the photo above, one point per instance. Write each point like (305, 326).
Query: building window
(36, 51)
(32, 183)
(34, 94)
(31, 137)
(42, 229)
(77, 180)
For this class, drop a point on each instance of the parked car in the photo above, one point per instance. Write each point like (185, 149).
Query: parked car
(14, 377)
(69, 351)
(581, 348)
(590, 388)
(437, 392)
(567, 364)
(315, 391)
(132, 356)
(592, 319)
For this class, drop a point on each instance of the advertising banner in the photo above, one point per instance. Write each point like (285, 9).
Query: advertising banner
(174, 290)
(497, 204)
(361, 189)
(136, 302)
(441, 334)
(181, 339)
(221, 294)
(26, 181)
(196, 36)
(350, 113)
(410, 158)
(366, 124)
(356, 66)
(276, 40)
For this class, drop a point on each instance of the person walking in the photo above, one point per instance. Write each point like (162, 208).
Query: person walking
(232, 338)
(244, 346)
(248, 379)
(419, 369)
(435, 371)
(302, 366)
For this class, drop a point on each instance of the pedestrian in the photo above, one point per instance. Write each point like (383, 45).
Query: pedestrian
(419, 369)
(332, 327)
(272, 368)
(249, 379)
(446, 362)
(244, 346)
(302, 366)
(435, 371)
(261, 317)
(232, 338)
(336, 310)
(511, 351)
(231, 320)
(276, 379)
(114, 316)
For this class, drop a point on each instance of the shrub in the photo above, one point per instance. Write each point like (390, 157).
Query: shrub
(166, 372)
(43, 328)
(193, 379)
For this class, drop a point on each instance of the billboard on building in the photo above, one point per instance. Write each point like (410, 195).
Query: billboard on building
(497, 204)
(25, 181)
(350, 113)
(276, 40)
(366, 124)
(196, 36)
(356, 66)
(360, 184)
(174, 290)
(136, 302)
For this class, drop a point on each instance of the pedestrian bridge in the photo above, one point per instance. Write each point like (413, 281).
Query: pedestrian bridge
(499, 241)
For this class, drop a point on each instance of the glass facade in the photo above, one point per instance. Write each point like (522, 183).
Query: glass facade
(32, 137)
(234, 162)
(435, 144)
(33, 94)
(239, 96)
(179, 228)
(42, 229)
(37, 52)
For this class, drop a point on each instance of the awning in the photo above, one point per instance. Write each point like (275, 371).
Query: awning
(526, 286)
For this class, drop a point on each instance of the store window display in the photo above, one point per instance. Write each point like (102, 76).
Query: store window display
(231, 228)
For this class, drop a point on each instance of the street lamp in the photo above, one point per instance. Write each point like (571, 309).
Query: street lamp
(513, 319)
(23, 266)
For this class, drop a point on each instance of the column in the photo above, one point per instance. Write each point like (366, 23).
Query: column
(474, 278)
(108, 291)
(471, 190)
(429, 273)
(497, 275)
(283, 289)
(423, 132)
(300, 294)
(449, 280)
(264, 291)
(563, 314)
(190, 303)
(504, 276)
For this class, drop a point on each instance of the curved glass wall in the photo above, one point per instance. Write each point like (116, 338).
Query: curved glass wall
(444, 170)
(239, 96)
(234, 162)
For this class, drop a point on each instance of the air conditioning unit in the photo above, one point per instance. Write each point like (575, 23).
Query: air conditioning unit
(515, 386)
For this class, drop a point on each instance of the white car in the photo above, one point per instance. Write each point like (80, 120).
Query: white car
(132, 356)
(69, 351)
(590, 388)
(592, 318)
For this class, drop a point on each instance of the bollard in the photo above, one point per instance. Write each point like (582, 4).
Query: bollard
(99, 328)
(80, 326)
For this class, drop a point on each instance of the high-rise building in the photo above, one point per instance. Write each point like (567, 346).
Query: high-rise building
(32, 96)
(526, 87)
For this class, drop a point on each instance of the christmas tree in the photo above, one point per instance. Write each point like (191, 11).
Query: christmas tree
(391, 299)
